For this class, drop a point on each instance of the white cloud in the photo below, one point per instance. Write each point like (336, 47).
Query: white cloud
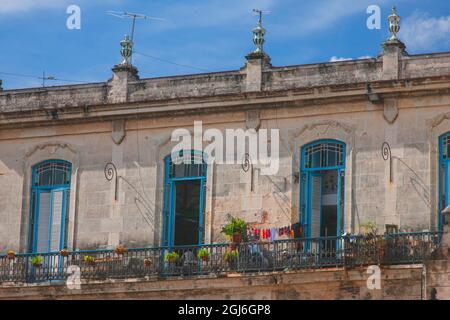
(422, 32)
(13, 6)
(336, 59)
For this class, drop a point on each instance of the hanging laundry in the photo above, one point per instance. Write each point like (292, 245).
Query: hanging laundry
(272, 234)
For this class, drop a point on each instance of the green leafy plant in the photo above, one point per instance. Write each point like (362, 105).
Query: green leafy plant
(235, 227)
(37, 261)
(172, 257)
(89, 259)
(231, 255)
(203, 254)
(368, 228)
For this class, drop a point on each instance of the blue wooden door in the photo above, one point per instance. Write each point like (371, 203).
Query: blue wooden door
(321, 161)
(178, 179)
(447, 185)
(444, 176)
(49, 220)
(50, 192)
(315, 207)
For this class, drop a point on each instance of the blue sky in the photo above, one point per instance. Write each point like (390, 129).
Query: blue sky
(211, 35)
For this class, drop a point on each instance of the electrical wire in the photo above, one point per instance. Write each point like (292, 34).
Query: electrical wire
(170, 62)
(39, 78)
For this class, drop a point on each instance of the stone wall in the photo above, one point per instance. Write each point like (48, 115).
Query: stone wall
(98, 221)
(88, 126)
(223, 83)
(397, 283)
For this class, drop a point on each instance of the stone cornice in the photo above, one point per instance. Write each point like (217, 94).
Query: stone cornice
(226, 102)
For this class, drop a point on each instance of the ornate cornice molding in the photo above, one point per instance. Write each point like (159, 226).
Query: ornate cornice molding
(53, 146)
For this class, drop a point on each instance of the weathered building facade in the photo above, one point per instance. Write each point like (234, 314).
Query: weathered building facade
(56, 141)
(357, 143)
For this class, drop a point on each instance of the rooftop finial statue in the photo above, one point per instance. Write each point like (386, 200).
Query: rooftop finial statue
(126, 50)
(258, 33)
(394, 24)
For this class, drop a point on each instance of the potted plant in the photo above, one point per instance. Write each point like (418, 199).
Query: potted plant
(89, 260)
(64, 252)
(11, 254)
(369, 246)
(369, 228)
(203, 254)
(147, 262)
(381, 248)
(236, 229)
(172, 257)
(120, 249)
(37, 261)
(231, 255)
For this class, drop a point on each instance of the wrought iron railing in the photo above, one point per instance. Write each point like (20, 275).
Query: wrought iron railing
(216, 259)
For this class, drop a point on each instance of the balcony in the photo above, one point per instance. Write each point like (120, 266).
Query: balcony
(220, 259)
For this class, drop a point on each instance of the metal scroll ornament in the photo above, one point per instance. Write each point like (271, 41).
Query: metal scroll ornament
(386, 153)
(110, 174)
(247, 165)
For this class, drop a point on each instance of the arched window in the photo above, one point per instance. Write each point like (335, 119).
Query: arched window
(184, 196)
(51, 174)
(50, 191)
(326, 154)
(444, 175)
(185, 166)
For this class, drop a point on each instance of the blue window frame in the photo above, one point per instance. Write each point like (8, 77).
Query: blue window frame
(444, 176)
(318, 159)
(186, 171)
(50, 192)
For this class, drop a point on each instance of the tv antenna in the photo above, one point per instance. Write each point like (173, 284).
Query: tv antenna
(260, 13)
(133, 16)
(44, 77)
